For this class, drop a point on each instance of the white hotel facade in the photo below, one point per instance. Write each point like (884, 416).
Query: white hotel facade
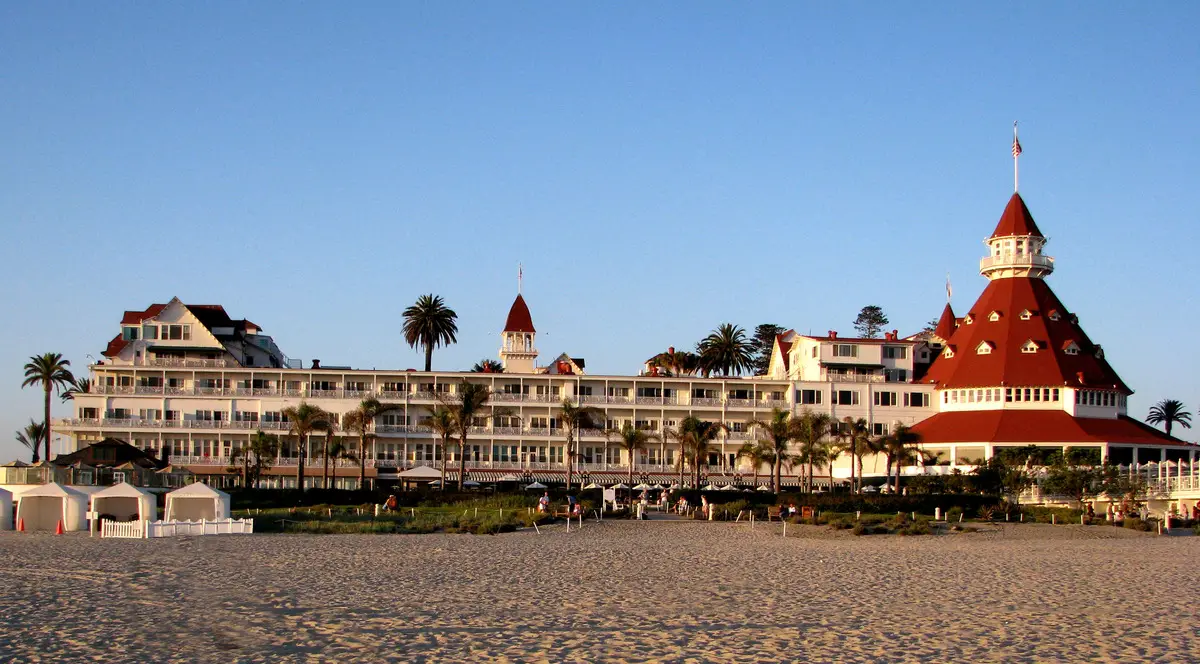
(190, 384)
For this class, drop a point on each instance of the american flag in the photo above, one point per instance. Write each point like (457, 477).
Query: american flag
(1016, 147)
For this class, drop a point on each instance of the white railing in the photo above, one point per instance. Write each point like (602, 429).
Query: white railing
(853, 378)
(182, 362)
(202, 527)
(1016, 260)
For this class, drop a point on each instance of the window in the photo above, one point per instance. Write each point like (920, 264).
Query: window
(177, 332)
(984, 348)
(1030, 346)
(879, 429)
(895, 375)
(814, 351)
(1008, 394)
(129, 333)
(994, 316)
(649, 392)
(149, 331)
(970, 318)
(885, 399)
(895, 352)
(618, 391)
(916, 399)
(845, 397)
(1071, 348)
(1026, 315)
(585, 391)
(808, 396)
(948, 352)
(845, 350)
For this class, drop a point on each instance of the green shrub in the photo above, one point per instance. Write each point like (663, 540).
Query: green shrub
(1134, 523)
(861, 528)
(953, 514)
(916, 528)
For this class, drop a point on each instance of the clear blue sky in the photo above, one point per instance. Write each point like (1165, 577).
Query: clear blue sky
(658, 168)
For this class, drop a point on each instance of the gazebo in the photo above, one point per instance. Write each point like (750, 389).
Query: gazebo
(6, 510)
(197, 501)
(419, 474)
(43, 507)
(125, 502)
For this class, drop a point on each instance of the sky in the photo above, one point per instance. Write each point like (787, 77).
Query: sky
(657, 169)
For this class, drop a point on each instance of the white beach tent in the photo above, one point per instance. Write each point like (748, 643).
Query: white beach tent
(125, 502)
(197, 501)
(43, 507)
(6, 510)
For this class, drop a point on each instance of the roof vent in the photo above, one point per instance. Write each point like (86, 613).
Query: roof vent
(316, 364)
(833, 334)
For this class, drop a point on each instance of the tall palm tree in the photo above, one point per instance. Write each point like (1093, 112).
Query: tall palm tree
(487, 366)
(430, 323)
(256, 456)
(758, 453)
(780, 429)
(901, 446)
(631, 440)
(80, 385)
(329, 427)
(681, 437)
(811, 431)
(856, 435)
(1168, 412)
(572, 418)
(302, 421)
(441, 421)
(361, 421)
(50, 371)
(698, 436)
(467, 407)
(726, 350)
(31, 437)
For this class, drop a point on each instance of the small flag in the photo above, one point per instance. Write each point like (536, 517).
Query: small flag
(1016, 147)
(949, 291)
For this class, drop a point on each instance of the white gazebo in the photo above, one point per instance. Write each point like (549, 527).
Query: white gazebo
(195, 502)
(125, 502)
(6, 510)
(43, 507)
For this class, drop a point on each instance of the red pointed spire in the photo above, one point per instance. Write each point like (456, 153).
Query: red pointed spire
(519, 319)
(1016, 220)
(945, 325)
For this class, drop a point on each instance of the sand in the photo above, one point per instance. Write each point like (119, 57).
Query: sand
(618, 591)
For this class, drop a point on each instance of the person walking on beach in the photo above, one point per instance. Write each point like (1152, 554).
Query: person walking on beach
(544, 502)
(704, 507)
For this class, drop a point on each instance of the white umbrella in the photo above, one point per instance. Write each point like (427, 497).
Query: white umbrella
(659, 487)
(435, 483)
(593, 485)
(534, 486)
(764, 487)
(620, 486)
(729, 487)
(870, 489)
(708, 487)
(642, 487)
(470, 483)
(673, 487)
(747, 490)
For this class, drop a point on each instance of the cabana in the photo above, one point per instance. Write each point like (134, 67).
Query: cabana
(43, 507)
(195, 502)
(6, 510)
(419, 474)
(125, 502)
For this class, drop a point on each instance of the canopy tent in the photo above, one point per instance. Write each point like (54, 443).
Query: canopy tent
(421, 473)
(125, 502)
(43, 507)
(708, 487)
(197, 501)
(6, 510)
(470, 483)
(764, 487)
(728, 487)
(642, 487)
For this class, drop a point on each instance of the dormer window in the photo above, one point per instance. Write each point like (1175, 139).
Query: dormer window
(1054, 315)
(994, 316)
(948, 352)
(1071, 348)
(1030, 346)
(969, 319)
(985, 348)
(1099, 352)
(1027, 314)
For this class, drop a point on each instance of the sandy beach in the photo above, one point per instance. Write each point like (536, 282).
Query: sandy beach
(618, 591)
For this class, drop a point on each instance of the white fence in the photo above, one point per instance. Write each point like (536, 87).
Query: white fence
(147, 529)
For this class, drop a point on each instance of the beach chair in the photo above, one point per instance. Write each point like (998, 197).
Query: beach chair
(775, 512)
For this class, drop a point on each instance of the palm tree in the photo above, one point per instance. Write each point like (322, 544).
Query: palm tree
(697, 437)
(327, 448)
(302, 421)
(780, 429)
(50, 371)
(361, 421)
(467, 407)
(681, 437)
(1168, 412)
(726, 350)
(572, 418)
(758, 453)
(256, 456)
(631, 440)
(901, 447)
(430, 323)
(811, 430)
(857, 442)
(80, 385)
(31, 437)
(487, 366)
(677, 362)
(441, 421)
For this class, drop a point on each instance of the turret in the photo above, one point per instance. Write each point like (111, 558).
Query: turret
(517, 351)
(1015, 247)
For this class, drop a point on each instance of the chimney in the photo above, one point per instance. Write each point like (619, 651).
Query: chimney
(833, 334)
(316, 364)
(670, 350)
(895, 335)
(1079, 375)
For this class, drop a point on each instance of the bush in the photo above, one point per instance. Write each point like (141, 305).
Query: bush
(861, 528)
(916, 528)
(1134, 523)
(1061, 515)
(953, 514)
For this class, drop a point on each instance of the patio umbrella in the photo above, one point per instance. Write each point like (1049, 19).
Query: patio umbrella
(470, 483)
(673, 487)
(729, 487)
(870, 489)
(534, 486)
(708, 487)
(620, 486)
(659, 487)
(642, 487)
(747, 490)
(593, 485)
(764, 487)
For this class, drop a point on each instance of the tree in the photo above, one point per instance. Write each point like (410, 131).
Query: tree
(631, 440)
(855, 437)
(811, 430)
(361, 420)
(329, 448)
(31, 437)
(902, 446)
(441, 421)
(572, 418)
(1074, 482)
(429, 323)
(931, 325)
(467, 407)
(762, 344)
(1168, 412)
(780, 429)
(725, 350)
(50, 371)
(487, 366)
(80, 385)
(870, 322)
(758, 453)
(997, 476)
(1129, 487)
(699, 437)
(302, 421)
(256, 457)
(677, 362)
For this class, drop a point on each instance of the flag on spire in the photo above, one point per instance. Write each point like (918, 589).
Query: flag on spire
(1016, 153)
(949, 291)
(1016, 147)
(520, 277)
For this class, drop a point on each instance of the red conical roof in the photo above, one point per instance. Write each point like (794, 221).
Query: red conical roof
(1016, 220)
(945, 324)
(519, 319)
(1064, 355)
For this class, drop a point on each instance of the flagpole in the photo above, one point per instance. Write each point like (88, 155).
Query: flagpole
(1016, 155)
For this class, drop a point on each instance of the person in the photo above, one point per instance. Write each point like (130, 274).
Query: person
(664, 501)
(1091, 511)
(643, 505)
(391, 503)
(1196, 512)
(544, 502)
(683, 505)
(571, 503)
(704, 507)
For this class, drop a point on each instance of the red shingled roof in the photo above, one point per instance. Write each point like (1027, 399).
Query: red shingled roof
(519, 319)
(784, 348)
(946, 324)
(1016, 220)
(116, 345)
(1036, 426)
(135, 317)
(1006, 364)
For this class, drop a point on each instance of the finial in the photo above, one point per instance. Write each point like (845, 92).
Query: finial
(1016, 153)
(520, 277)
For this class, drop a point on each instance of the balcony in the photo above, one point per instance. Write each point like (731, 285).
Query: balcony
(853, 378)
(507, 397)
(184, 362)
(707, 401)
(592, 399)
(77, 422)
(1017, 260)
(324, 394)
(148, 389)
(739, 403)
(356, 393)
(773, 403)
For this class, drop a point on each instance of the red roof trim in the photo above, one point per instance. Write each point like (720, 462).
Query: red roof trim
(1036, 426)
